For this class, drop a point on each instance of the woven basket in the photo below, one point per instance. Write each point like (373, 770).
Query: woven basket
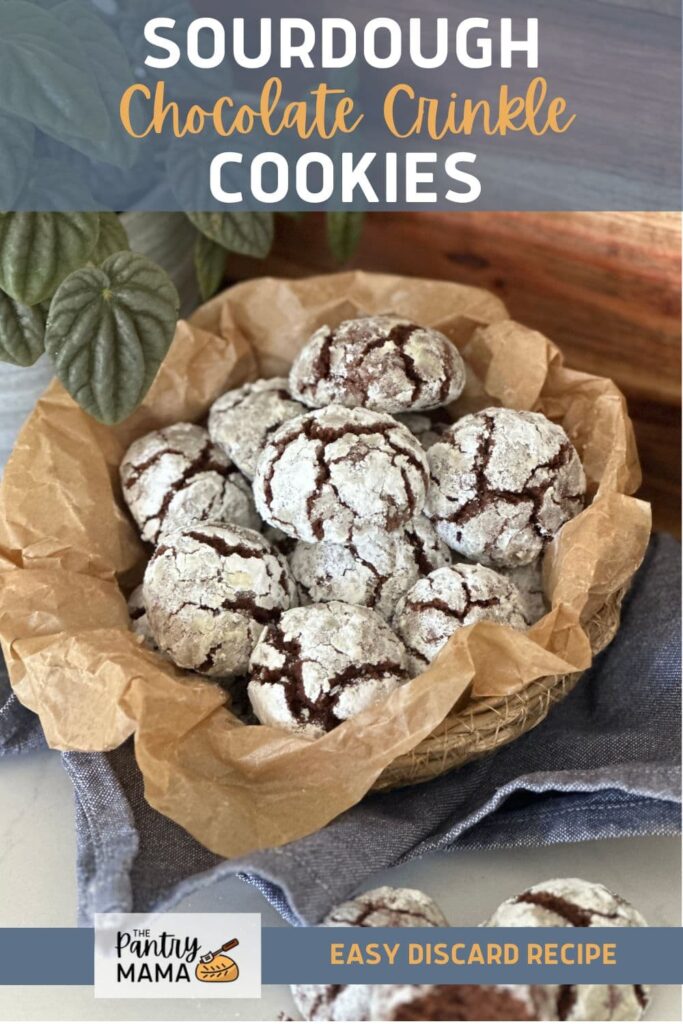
(485, 725)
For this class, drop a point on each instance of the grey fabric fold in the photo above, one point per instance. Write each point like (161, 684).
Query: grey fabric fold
(605, 763)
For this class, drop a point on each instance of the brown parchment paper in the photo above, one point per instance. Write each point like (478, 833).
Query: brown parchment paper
(69, 556)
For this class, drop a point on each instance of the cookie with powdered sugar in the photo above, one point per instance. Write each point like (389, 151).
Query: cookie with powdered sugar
(385, 362)
(502, 485)
(242, 420)
(374, 569)
(139, 623)
(529, 582)
(209, 591)
(448, 599)
(176, 476)
(385, 907)
(573, 902)
(316, 667)
(323, 475)
(460, 1002)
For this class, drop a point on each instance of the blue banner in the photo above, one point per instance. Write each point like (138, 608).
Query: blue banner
(393, 955)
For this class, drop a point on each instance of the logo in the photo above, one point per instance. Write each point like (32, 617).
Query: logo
(217, 966)
(177, 955)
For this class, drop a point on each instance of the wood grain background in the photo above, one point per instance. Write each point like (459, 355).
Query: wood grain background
(606, 287)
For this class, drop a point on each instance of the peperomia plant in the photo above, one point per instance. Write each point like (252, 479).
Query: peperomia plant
(105, 316)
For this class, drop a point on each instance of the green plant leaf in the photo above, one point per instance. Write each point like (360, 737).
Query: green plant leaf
(22, 332)
(344, 230)
(38, 250)
(17, 139)
(209, 261)
(112, 238)
(250, 234)
(44, 77)
(109, 66)
(108, 331)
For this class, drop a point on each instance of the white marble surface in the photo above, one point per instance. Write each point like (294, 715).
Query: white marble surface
(38, 888)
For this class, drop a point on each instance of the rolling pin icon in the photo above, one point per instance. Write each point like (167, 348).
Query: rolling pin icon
(218, 967)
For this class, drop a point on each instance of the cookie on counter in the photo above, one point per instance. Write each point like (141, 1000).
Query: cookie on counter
(461, 1002)
(573, 902)
(385, 907)
(386, 363)
(209, 591)
(502, 485)
(374, 568)
(318, 666)
(175, 476)
(242, 420)
(323, 475)
(448, 599)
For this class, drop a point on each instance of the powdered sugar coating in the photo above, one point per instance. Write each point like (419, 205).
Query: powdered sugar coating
(241, 420)
(529, 582)
(566, 902)
(320, 665)
(460, 1002)
(448, 599)
(374, 569)
(139, 623)
(502, 485)
(385, 363)
(176, 476)
(323, 475)
(573, 902)
(209, 591)
(380, 908)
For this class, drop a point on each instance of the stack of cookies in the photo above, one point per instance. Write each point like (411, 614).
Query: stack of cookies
(326, 535)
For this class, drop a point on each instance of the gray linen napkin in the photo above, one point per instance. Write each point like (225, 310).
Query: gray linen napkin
(605, 763)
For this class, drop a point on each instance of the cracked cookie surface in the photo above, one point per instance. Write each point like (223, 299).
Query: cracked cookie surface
(448, 599)
(374, 569)
(176, 476)
(573, 902)
(320, 665)
(209, 591)
(385, 907)
(385, 363)
(323, 475)
(502, 485)
(241, 421)
(460, 1002)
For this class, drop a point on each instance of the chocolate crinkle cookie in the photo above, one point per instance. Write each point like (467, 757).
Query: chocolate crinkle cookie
(318, 666)
(502, 485)
(448, 599)
(460, 1002)
(323, 475)
(374, 568)
(209, 591)
(529, 582)
(385, 363)
(176, 476)
(380, 908)
(139, 623)
(573, 902)
(241, 421)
